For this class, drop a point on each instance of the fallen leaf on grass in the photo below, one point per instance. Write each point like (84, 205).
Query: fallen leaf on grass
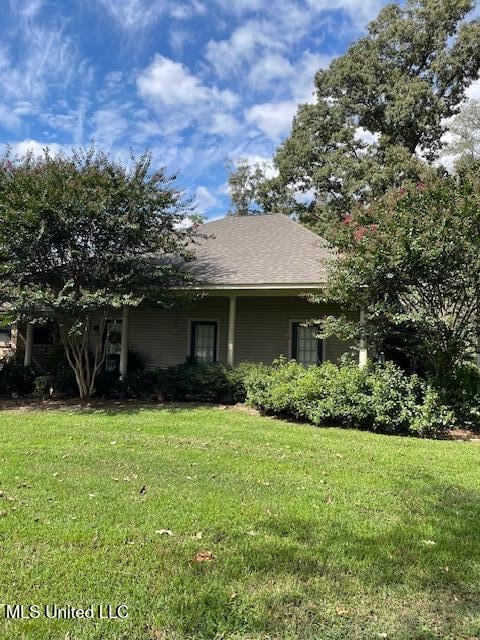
(429, 542)
(204, 556)
(199, 535)
(164, 532)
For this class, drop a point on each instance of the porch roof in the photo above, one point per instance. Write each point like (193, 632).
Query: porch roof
(260, 251)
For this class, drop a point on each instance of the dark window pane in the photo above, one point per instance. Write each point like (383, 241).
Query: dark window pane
(5, 335)
(42, 334)
(204, 341)
(306, 347)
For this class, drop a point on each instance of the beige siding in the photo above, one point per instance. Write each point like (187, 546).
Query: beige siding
(162, 338)
(263, 329)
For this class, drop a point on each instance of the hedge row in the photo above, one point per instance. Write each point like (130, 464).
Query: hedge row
(377, 398)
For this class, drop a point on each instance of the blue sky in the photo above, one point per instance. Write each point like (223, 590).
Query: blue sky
(197, 82)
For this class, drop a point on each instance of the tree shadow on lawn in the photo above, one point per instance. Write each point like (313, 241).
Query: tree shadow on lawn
(397, 568)
(104, 407)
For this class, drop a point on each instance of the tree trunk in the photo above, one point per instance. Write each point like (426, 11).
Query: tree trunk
(76, 346)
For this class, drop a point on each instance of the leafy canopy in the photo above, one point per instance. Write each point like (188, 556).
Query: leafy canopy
(81, 236)
(380, 109)
(412, 261)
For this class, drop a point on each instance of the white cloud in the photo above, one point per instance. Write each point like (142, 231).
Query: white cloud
(242, 6)
(305, 68)
(366, 136)
(170, 84)
(47, 58)
(268, 68)
(228, 56)
(27, 9)
(223, 124)
(274, 119)
(187, 10)
(108, 127)
(205, 200)
(473, 91)
(8, 118)
(134, 15)
(178, 39)
(20, 148)
(359, 11)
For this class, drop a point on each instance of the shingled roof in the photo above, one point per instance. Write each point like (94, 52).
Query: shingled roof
(260, 250)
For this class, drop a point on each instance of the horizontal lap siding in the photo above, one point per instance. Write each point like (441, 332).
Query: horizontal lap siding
(262, 329)
(162, 337)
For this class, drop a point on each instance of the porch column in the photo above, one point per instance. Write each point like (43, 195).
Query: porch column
(363, 353)
(124, 345)
(232, 312)
(27, 360)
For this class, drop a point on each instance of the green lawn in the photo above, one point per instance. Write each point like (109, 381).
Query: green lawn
(315, 533)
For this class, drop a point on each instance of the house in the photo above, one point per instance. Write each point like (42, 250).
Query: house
(254, 272)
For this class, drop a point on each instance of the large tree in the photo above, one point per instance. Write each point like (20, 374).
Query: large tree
(252, 193)
(379, 113)
(411, 261)
(81, 237)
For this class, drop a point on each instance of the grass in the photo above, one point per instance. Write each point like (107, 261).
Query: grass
(315, 533)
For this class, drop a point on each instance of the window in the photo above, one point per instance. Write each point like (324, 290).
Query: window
(5, 335)
(113, 346)
(306, 347)
(42, 334)
(203, 346)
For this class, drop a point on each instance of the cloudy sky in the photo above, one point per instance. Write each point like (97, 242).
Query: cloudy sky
(198, 82)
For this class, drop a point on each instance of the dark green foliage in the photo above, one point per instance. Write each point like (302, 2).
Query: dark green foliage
(411, 260)
(141, 384)
(377, 398)
(15, 379)
(108, 383)
(91, 236)
(200, 382)
(462, 392)
(378, 105)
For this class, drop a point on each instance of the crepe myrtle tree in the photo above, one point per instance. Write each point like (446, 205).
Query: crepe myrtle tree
(82, 236)
(411, 260)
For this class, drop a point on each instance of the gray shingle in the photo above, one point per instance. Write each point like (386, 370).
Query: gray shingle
(260, 250)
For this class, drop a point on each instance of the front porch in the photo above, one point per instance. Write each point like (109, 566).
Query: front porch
(230, 328)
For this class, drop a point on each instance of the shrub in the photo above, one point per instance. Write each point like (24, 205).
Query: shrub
(141, 384)
(16, 379)
(461, 391)
(108, 383)
(203, 382)
(379, 397)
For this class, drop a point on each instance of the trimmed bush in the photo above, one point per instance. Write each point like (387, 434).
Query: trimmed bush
(202, 382)
(15, 379)
(378, 398)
